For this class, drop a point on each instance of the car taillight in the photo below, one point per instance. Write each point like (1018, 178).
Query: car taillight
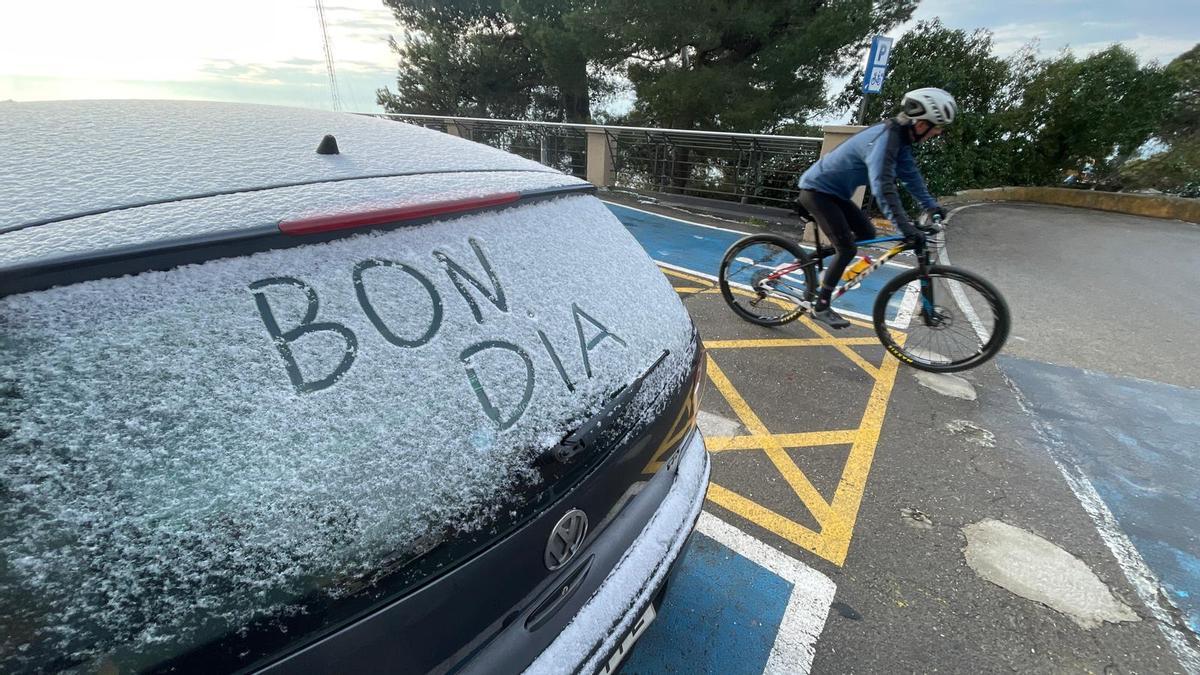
(343, 221)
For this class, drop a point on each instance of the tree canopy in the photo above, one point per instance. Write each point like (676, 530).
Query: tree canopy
(1025, 120)
(744, 65)
(970, 152)
(1177, 168)
(755, 66)
(740, 65)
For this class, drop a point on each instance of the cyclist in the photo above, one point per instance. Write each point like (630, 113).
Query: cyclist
(877, 155)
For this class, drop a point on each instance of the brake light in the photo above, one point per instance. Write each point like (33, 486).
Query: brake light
(344, 221)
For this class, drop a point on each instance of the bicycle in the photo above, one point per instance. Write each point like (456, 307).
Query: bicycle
(770, 280)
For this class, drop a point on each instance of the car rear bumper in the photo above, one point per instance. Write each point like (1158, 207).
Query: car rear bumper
(600, 632)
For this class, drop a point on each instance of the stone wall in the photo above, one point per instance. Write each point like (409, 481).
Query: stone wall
(1155, 206)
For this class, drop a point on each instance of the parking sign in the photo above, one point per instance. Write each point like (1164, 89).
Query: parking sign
(877, 62)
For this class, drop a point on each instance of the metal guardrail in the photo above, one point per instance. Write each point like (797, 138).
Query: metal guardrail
(559, 146)
(746, 168)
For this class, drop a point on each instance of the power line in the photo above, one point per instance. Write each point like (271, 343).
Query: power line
(333, 90)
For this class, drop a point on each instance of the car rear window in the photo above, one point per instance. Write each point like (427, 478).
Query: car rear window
(187, 452)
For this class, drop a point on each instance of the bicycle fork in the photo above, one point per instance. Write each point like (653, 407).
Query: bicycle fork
(929, 312)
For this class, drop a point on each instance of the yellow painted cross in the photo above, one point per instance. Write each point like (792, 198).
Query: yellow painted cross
(836, 518)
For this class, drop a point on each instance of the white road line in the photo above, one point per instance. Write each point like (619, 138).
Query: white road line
(969, 310)
(680, 220)
(907, 307)
(1143, 580)
(807, 608)
(959, 296)
(1145, 583)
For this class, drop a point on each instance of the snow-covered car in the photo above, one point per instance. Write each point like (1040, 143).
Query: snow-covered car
(406, 404)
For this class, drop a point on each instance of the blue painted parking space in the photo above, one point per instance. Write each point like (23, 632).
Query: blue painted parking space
(675, 242)
(1135, 441)
(734, 606)
(699, 248)
(720, 615)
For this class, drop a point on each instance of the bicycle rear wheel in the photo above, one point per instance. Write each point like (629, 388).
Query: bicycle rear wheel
(955, 320)
(754, 289)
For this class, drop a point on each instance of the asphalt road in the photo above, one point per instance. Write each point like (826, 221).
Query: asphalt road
(1105, 313)
(1041, 435)
(1091, 289)
(906, 599)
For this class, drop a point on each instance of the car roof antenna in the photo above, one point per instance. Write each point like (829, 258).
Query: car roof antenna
(328, 146)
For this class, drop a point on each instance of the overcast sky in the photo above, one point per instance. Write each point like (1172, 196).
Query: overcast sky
(270, 51)
(261, 51)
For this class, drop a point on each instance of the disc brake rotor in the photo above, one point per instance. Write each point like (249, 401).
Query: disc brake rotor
(939, 318)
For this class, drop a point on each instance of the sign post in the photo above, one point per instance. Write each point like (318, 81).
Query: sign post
(875, 72)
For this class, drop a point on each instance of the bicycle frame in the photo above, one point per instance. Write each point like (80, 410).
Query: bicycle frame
(923, 257)
(848, 286)
(784, 274)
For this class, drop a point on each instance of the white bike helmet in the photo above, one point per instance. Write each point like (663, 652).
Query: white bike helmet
(931, 104)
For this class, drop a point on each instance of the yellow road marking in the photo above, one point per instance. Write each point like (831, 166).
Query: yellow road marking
(802, 440)
(838, 516)
(684, 293)
(760, 515)
(846, 351)
(687, 277)
(713, 288)
(848, 496)
(789, 342)
(800, 484)
(749, 294)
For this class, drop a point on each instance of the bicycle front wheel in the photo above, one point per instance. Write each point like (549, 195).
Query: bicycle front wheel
(952, 319)
(765, 277)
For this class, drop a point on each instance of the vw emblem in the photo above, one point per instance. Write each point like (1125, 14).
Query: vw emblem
(566, 538)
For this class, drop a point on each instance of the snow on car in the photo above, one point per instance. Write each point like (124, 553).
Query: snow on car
(265, 408)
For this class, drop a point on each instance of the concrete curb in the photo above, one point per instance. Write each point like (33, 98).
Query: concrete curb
(1154, 206)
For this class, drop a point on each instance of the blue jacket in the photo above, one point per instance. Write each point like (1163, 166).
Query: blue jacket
(876, 156)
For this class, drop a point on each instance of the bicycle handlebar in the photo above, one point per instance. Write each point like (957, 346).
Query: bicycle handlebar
(930, 223)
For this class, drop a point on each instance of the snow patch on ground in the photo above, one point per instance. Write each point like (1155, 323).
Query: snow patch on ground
(947, 385)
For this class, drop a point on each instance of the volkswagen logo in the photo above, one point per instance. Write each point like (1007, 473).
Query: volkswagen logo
(566, 538)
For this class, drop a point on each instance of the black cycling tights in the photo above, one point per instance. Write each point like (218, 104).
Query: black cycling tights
(844, 223)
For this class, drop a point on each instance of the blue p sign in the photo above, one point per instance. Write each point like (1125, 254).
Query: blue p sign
(877, 62)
